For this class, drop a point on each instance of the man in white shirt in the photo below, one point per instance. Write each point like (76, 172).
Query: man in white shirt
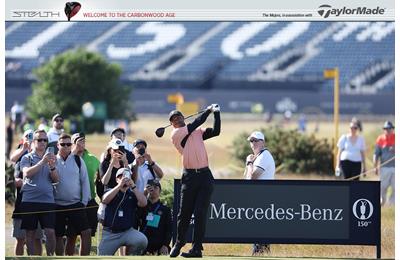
(55, 132)
(260, 164)
(144, 167)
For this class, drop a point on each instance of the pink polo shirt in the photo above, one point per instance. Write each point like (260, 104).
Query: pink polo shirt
(194, 153)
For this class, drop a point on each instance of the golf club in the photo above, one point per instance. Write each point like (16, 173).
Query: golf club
(160, 131)
(71, 9)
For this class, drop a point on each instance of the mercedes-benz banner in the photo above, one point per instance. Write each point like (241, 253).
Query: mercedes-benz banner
(291, 211)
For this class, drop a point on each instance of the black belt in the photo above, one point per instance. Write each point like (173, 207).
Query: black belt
(198, 170)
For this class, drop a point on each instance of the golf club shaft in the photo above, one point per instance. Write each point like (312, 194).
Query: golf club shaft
(189, 116)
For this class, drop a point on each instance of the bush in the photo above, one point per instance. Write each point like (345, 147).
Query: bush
(74, 77)
(9, 184)
(298, 153)
(167, 192)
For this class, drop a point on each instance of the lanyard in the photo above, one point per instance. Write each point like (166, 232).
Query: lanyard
(158, 206)
(154, 212)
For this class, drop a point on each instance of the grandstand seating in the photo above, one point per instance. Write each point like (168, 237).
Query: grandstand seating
(225, 52)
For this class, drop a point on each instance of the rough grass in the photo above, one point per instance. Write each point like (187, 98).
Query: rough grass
(223, 167)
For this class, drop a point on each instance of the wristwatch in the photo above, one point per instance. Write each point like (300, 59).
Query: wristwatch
(52, 169)
(249, 162)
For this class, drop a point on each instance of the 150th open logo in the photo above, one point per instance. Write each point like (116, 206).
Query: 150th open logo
(362, 210)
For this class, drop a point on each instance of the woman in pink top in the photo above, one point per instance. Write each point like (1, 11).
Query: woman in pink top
(197, 179)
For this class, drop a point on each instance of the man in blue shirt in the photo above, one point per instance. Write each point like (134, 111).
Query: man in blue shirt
(122, 202)
(39, 172)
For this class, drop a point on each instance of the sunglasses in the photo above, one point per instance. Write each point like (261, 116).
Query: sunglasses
(65, 144)
(254, 140)
(41, 140)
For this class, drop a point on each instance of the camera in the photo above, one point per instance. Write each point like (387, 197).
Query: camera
(127, 174)
(141, 151)
(150, 182)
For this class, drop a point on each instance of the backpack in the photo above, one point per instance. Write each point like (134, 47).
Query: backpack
(99, 185)
(78, 162)
(151, 171)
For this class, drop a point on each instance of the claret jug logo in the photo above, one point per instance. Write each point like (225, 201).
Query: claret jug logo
(326, 10)
(363, 209)
(71, 9)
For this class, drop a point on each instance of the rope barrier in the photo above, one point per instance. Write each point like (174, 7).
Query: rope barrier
(369, 171)
(56, 210)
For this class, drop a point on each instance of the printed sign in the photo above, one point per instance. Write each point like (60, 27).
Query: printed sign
(291, 212)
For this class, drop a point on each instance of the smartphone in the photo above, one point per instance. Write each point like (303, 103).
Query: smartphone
(141, 151)
(150, 182)
(121, 148)
(50, 149)
(30, 137)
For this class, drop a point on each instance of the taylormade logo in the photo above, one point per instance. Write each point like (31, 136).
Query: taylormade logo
(326, 10)
(303, 212)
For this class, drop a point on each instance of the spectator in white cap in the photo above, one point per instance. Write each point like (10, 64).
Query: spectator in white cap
(119, 133)
(260, 165)
(55, 132)
(122, 203)
(115, 158)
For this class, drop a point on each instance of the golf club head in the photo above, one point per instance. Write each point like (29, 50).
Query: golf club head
(160, 132)
(71, 9)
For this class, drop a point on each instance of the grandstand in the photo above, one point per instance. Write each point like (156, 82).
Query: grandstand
(217, 56)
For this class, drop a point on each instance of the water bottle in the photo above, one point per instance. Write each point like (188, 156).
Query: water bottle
(337, 172)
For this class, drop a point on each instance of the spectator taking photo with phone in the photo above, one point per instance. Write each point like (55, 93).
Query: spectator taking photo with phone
(144, 167)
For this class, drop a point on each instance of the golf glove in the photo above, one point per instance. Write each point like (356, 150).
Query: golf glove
(215, 107)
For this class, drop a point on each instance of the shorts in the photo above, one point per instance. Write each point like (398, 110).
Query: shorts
(91, 214)
(19, 233)
(47, 219)
(75, 218)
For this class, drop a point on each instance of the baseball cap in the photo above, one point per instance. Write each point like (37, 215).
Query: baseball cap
(174, 113)
(388, 125)
(122, 171)
(139, 141)
(115, 143)
(75, 137)
(56, 116)
(156, 183)
(257, 135)
(118, 129)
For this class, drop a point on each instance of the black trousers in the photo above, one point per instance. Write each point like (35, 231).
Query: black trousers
(196, 190)
(351, 169)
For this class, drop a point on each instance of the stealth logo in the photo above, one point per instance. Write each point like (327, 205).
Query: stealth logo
(326, 10)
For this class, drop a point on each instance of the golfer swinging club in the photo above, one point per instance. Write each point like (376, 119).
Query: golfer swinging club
(197, 179)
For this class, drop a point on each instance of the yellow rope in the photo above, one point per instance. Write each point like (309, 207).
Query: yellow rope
(369, 171)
